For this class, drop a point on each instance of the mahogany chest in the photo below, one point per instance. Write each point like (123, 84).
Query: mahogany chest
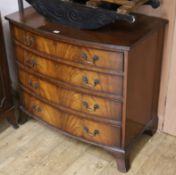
(100, 87)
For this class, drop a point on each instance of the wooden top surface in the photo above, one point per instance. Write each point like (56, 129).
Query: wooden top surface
(119, 35)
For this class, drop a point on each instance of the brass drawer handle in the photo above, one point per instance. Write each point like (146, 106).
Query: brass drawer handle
(85, 82)
(86, 106)
(87, 60)
(29, 40)
(33, 85)
(36, 108)
(31, 63)
(92, 134)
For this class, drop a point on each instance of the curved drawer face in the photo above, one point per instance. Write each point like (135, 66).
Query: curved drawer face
(74, 76)
(86, 129)
(91, 105)
(86, 56)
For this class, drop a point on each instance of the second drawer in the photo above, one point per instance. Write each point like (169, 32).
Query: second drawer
(80, 102)
(70, 52)
(90, 80)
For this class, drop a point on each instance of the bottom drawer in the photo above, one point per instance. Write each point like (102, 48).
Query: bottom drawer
(86, 129)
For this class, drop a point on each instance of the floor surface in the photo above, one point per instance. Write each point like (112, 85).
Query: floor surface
(35, 149)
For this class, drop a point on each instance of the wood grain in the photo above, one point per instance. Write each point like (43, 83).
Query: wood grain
(73, 75)
(118, 39)
(106, 135)
(167, 11)
(87, 56)
(71, 99)
(140, 88)
(44, 151)
(135, 81)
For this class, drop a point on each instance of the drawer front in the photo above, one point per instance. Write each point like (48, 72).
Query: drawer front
(74, 76)
(88, 104)
(87, 129)
(86, 56)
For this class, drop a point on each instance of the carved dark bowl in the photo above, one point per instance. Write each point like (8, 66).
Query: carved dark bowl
(75, 13)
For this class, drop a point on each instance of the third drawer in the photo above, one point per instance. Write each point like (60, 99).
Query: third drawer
(84, 103)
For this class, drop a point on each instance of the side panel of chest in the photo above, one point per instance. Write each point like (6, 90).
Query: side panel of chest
(144, 69)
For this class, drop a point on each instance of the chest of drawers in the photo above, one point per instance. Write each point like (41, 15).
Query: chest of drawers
(100, 87)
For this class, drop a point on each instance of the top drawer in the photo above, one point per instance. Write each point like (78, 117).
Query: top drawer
(82, 55)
